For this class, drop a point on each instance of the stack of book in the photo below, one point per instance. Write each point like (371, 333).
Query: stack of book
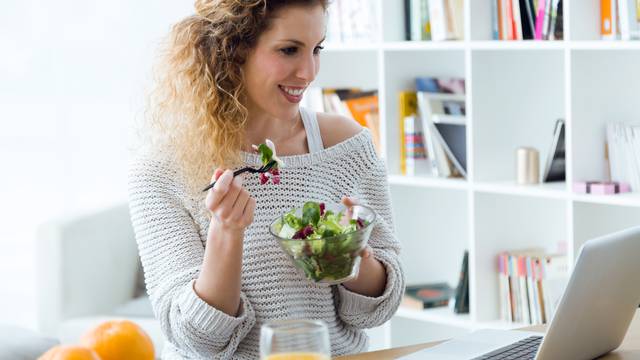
(437, 112)
(435, 20)
(426, 296)
(624, 153)
(352, 21)
(620, 19)
(531, 285)
(354, 103)
(527, 19)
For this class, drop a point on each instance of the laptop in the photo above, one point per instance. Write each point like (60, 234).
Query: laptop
(592, 318)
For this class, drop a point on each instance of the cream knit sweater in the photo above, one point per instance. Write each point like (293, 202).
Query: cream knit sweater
(171, 230)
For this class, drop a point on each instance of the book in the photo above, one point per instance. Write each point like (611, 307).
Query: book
(554, 169)
(441, 108)
(363, 107)
(445, 85)
(440, 165)
(456, 18)
(629, 27)
(553, 17)
(415, 156)
(506, 300)
(495, 27)
(517, 20)
(440, 21)
(407, 106)
(547, 19)
(608, 20)
(360, 104)
(505, 26)
(445, 136)
(558, 32)
(623, 141)
(527, 18)
(461, 305)
(425, 296)
(453, 138)
(540, 19)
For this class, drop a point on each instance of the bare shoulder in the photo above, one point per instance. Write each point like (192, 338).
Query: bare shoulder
(336, 128)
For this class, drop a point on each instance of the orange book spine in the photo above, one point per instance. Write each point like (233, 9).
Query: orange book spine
(511, 35)
(606, 27)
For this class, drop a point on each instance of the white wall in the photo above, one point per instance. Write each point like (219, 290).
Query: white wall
(72, 75)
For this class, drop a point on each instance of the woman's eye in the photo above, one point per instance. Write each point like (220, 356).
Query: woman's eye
(317, 49)
(290, 50)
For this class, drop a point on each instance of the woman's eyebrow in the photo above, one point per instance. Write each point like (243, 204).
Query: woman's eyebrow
(298, 42)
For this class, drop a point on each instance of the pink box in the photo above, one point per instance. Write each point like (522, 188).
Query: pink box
(624, 187)
(580, 187)
(602, 188)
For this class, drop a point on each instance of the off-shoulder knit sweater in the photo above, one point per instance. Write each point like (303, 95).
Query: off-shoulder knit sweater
(171, 230)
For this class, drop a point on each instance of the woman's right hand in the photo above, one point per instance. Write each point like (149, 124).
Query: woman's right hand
(230, 204)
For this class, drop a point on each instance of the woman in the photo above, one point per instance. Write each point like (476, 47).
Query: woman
(234, 75)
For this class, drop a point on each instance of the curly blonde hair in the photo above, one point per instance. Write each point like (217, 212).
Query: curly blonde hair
(195, 111)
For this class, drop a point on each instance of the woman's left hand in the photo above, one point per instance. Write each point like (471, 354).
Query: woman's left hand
(349, 202)
(372, 277)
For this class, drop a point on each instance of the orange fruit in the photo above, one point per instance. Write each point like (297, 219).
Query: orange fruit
(119, 340)
(68, 352)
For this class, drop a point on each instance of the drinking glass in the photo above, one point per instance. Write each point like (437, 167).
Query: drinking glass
(295, 339)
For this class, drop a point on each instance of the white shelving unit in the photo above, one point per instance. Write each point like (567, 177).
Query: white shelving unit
(515, 92)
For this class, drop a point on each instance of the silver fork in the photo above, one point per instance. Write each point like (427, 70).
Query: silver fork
(262, 169)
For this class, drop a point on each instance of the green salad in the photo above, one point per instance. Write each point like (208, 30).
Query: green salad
(324, 244)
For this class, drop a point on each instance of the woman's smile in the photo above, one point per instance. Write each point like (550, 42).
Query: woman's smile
(292, 94)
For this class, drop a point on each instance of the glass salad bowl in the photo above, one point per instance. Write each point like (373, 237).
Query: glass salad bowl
(324, 241)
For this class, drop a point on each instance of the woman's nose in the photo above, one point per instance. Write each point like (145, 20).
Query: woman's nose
(308, 67)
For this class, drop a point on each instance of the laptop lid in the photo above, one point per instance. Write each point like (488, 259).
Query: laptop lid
(600, 300)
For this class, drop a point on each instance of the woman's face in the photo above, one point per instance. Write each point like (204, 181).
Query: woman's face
(284, 61)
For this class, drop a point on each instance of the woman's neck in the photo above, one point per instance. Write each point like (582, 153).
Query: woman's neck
(278, 130)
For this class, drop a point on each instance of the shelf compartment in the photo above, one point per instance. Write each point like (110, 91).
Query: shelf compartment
(434, 239)
(604, 88)
(516, 99)
(510, 223)
(400, 71)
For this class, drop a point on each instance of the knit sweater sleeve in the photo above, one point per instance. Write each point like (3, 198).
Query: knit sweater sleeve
(362, 311)
(172, 251)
